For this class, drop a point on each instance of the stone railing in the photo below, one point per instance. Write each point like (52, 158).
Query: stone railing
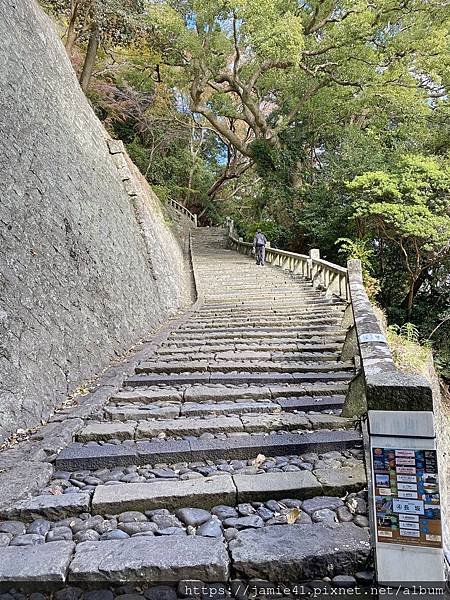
(386, 388)
(379, 384)
(179, 208)
(324, 275)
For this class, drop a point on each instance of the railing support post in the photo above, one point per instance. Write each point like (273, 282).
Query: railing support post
(314, 254)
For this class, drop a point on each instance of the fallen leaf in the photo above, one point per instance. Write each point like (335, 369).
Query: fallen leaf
(352, 506)
(293, 515)
(259, 460)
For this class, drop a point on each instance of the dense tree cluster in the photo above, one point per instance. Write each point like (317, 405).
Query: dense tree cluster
(325, 122)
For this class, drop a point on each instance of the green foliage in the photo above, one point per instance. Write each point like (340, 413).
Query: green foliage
(408, 354)
(273, 232)
(119, 21)
(325, 124)
(409, 206)
(359, 249)
(362, 250)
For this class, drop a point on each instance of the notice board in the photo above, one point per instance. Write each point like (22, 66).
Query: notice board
(407, 499)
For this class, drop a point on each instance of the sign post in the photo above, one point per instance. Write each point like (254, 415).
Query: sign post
(405, 495)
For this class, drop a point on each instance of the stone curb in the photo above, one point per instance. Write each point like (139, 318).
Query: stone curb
(76, 456)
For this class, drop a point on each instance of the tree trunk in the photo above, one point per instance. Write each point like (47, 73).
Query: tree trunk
(410, 297)
(416, 284)
(91, 56)
(71, 33)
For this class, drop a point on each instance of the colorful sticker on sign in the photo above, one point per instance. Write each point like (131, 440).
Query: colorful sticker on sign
(407, 500)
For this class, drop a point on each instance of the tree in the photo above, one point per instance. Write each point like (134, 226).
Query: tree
(410, 208)
(253, 69)
(107, 23)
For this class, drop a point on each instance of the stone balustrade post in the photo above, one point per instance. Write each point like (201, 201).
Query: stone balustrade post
(314, 254)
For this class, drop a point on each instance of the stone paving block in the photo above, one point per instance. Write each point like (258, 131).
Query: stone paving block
(322, 377)
(162, 452)
(175, 379)
(21, 479)
(196, 493)
(53, 507)
(227, 407)
(106, 431)
(205, 394)
(76, 456)
(273, 445)
(185, 426)
(135, 413)
(267, 422)
(330, 422)
(308, 389)
(144, 396)
(311, 402)
(268, 486)
(151, 559)
(243, 355)
(173, 367)
(292, 553)
(250, 378)
(45, 563)
(337, 482)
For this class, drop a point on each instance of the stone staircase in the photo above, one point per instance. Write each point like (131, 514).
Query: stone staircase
(223, 457)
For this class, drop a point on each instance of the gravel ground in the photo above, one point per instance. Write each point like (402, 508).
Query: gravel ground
(85, 481)
(219, 521)
(202, 591)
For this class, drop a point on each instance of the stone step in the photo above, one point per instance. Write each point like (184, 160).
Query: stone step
(302, 333)
(282, 323)
(262, 406)
(267, 312)
(52, 507)
(290, 341)
(184, 426)
(267, 304)
(137, 412)
(147, 559)
(223, 489)
(293, 553)
(310, 301)
(299, 303)
(307, 403)
(256, 353)
(238, 366)
(265, 319)
(78, 456)
(223, 349)
(255, 288)
(197, 493)
(215, 393)
(41, 565)
(273, 328)
(201, 409)
(235, 378)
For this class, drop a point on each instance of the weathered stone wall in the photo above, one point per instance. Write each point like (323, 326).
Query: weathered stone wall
(86, 266)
